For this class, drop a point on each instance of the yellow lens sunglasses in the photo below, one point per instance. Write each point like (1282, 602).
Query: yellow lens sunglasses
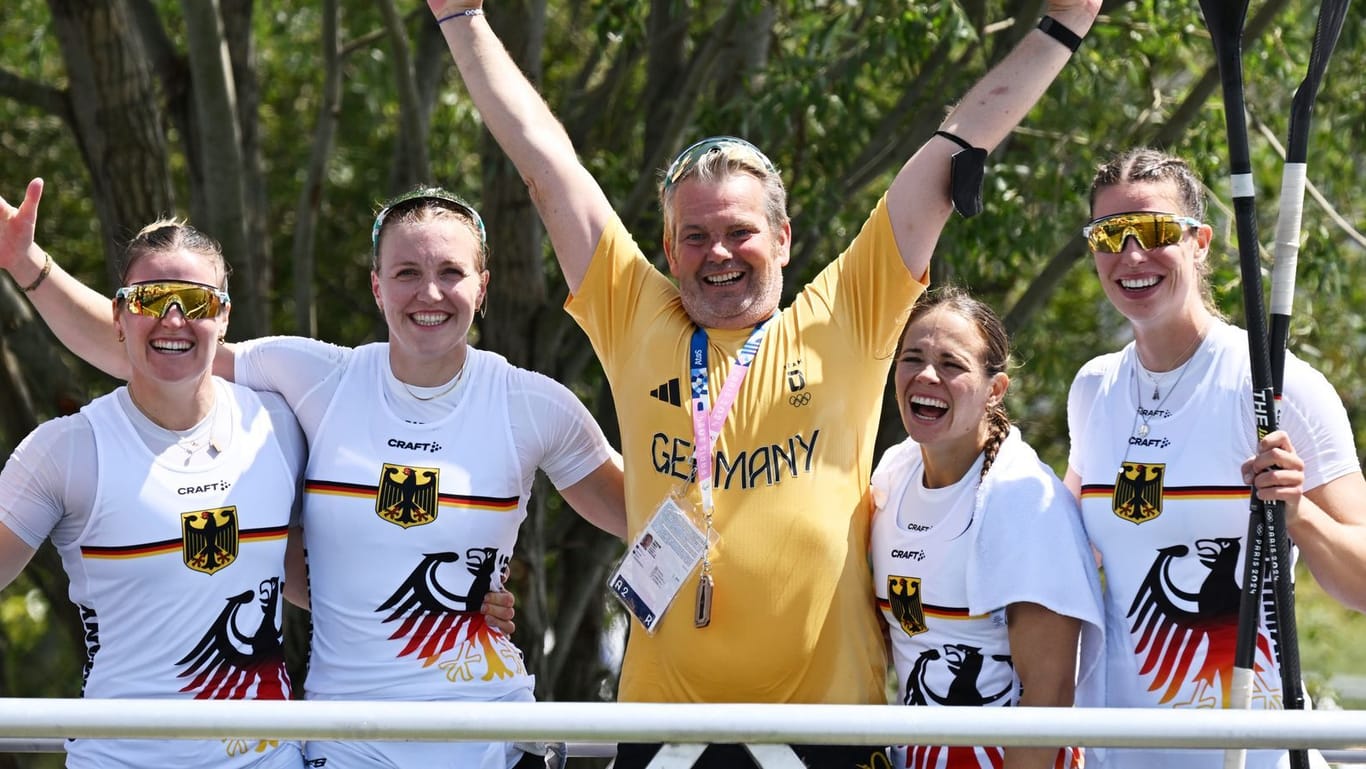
(154, 299)
(1107, 234)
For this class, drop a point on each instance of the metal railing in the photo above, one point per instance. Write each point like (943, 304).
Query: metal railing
(35, 725)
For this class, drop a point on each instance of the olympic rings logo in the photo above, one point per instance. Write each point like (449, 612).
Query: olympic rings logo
(799, 400)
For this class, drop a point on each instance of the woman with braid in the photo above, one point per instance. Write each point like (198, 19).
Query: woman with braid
(980, 562)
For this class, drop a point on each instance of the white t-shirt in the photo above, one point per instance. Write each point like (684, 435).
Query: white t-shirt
(551, 428)
(1168, 511)
(39, 497)
(174, 545)
(946, 564)
(412, 510)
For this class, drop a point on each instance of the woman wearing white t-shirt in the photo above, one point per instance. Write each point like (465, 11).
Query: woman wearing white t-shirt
(170, 501)
(980, 563)
(1161, 433)
(422, 453)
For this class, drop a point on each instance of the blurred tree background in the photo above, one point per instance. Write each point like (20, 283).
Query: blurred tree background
(277, 127)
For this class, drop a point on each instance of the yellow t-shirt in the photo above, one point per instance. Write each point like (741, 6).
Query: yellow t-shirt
(793, 617)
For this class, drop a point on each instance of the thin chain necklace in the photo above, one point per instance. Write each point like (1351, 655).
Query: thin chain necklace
(444, 390)
(1146, 415)
(1159, 377)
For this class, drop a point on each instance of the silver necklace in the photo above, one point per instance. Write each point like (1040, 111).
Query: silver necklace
(1146, 415)
(444, 390)
(1158, 378)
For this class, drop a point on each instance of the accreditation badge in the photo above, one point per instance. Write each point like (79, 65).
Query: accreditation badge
(658, 561)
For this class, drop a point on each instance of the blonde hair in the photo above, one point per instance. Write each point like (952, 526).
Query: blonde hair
(724, 159)
(166, 235)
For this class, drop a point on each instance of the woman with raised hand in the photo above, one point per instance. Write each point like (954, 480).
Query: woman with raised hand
(169, 501)
(1161, 435)
(423, 450)
(980, 562)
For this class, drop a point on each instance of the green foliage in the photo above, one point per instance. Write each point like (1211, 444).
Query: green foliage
(838, 93)
(1328, 643)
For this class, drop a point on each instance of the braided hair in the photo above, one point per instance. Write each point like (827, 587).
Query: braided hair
(996, 359)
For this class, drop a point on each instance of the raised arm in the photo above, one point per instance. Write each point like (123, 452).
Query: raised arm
(918, 199)
(81, 317)
(571, 204)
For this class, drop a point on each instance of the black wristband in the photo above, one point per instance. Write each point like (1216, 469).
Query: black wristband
(955, 138)
(1055, 29)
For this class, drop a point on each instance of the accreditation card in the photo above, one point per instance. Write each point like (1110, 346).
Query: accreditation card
(657, 563)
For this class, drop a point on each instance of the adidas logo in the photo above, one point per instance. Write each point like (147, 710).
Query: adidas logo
(667, 392)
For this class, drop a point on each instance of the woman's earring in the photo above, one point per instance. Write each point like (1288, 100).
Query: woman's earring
(483, 308)
(120, 335)
(222, 339)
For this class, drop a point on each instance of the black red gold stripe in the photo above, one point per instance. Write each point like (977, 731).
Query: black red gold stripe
(465, 501)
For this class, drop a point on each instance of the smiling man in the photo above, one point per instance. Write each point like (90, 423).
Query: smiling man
(748, 429)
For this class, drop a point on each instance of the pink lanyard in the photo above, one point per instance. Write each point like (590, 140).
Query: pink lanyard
(706, 425)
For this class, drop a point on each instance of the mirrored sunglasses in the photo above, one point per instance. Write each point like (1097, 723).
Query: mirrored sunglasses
(154, 299)
(1152, 230)
(412, 199)
(688, 159)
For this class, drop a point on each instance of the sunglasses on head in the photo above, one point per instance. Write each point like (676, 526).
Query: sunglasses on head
(410, 200)
(154, 299)
(1107, 234)
(688, 159)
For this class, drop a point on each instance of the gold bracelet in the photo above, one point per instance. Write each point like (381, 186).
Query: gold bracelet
(42, 274)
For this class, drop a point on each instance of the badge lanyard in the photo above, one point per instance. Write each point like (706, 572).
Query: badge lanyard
(706, 428)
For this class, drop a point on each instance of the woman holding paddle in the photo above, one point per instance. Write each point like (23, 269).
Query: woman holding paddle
(1161, 439)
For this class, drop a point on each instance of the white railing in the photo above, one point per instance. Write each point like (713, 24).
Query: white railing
(45, 719)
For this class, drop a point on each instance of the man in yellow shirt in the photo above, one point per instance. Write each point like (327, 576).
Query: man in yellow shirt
(777, 607)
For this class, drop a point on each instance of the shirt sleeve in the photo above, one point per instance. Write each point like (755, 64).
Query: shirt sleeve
(1312, 414)
(41, 492)
(292, 444)
(1081, 398)
(305, 371)
(867, 291)
(554, 431)
(622, 294)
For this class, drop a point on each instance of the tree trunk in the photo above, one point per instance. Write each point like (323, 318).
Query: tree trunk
(242, 56)
(117, 118)
(309, 206)
(220, 151)
(411, 166)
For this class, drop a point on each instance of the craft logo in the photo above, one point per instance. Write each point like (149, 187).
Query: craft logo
(903, 594)
(208, 538)
(1137, 496)
(407, 496)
